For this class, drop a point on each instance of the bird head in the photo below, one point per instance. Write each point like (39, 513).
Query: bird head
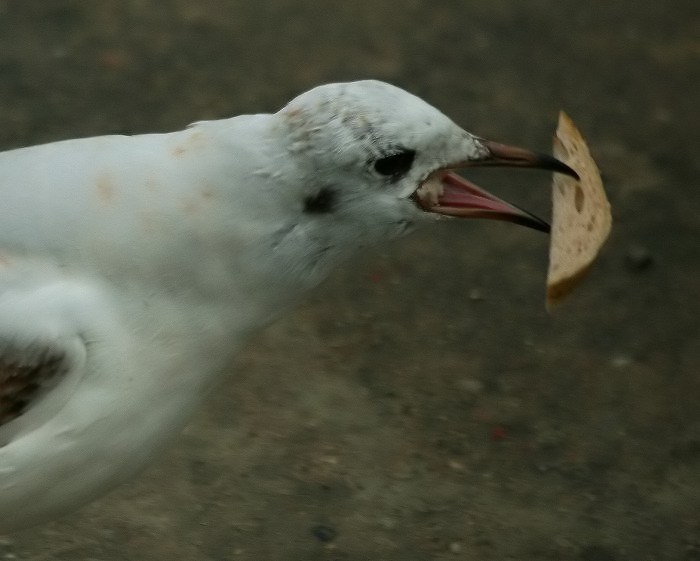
(371, 161)
(378, 154)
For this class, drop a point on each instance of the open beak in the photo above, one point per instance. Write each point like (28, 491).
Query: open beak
(445, 192)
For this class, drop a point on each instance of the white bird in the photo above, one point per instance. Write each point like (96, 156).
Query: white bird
(133, 267)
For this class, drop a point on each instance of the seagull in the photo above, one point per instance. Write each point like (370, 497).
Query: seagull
(132, 268)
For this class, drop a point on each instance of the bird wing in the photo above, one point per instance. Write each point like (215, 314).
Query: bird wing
(42, 353)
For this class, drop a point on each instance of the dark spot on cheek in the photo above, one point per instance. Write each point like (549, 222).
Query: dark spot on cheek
(321, 202)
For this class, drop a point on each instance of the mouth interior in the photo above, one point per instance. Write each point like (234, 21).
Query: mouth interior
(443, 190)
(445, 193)
(431, 190)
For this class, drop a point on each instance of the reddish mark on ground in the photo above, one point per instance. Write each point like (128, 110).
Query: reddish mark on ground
(572, 456)
(376, 276)
(498, 433)
(113, 60)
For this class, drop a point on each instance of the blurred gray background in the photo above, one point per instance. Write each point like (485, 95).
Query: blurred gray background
(421, 405)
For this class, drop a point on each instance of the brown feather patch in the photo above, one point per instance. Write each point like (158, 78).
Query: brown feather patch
(22, 379)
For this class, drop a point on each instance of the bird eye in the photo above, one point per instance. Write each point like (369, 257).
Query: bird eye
(395, 165)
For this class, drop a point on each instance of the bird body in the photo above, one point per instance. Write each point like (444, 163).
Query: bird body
(133, 268)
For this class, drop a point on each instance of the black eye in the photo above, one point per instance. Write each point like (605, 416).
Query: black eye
(395, 165)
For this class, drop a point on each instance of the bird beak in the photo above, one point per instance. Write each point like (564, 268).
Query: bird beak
(445, 192)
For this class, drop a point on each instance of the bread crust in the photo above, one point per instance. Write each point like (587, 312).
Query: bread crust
(581, 215)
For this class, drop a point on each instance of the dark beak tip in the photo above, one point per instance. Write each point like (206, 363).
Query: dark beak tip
(505, 155)
(571, 172)
(553, 164)
(531, 221)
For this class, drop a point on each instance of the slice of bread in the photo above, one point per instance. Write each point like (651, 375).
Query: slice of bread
(581, 218)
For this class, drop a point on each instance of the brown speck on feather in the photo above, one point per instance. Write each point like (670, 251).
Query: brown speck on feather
(192, 141)
(105, 189)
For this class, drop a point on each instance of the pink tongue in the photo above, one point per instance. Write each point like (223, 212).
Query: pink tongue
(460, 193)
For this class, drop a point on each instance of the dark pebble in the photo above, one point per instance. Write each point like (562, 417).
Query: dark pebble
(324, 533)
(638, 259)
